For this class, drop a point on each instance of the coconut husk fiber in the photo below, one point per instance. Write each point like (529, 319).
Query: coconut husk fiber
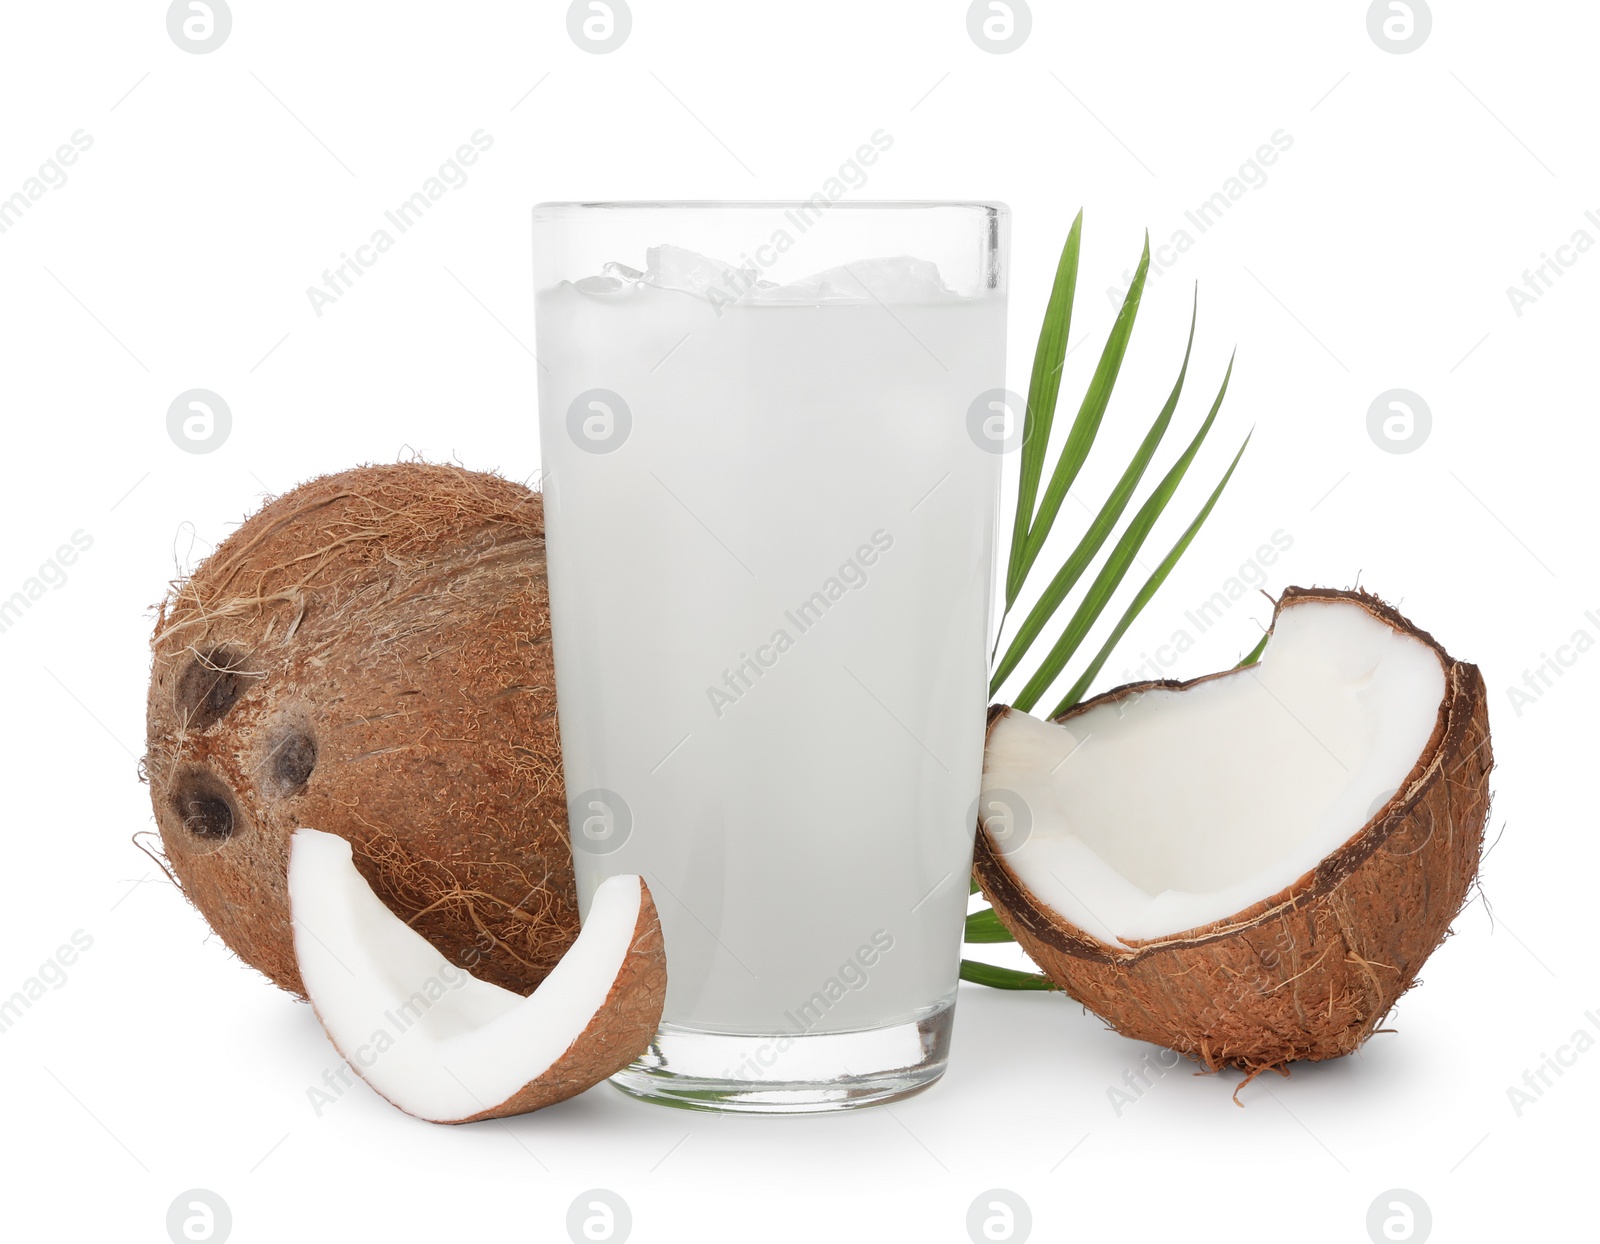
(369, 655)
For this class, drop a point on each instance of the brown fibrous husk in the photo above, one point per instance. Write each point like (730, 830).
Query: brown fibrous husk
(1311, 972)
(369, 655)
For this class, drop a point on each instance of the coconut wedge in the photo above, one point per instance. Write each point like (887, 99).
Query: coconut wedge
(1251, 867)
(446, 1046)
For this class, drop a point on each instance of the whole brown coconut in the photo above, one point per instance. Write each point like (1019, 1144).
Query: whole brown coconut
(1310, 972)
(369, 655)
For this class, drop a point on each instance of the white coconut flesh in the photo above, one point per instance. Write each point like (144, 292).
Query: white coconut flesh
(433, 1039)
(1161, 812)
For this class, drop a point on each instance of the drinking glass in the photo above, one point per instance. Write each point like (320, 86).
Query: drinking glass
(771, 440)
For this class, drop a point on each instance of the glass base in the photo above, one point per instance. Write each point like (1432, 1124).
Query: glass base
(805, 1073)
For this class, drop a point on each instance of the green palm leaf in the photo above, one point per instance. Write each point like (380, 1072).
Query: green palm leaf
(1254, 655)
(985, 926)
(1003, 978)
(1072, 569)
(1031, 527)
(1157, 577)
(1086, 424)
(1043, 388)
(1116, 567)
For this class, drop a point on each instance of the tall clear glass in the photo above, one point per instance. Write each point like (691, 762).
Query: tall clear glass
(771, 470)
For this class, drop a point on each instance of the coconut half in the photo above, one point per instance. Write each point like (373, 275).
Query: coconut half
(1251, 867)
(446, 1046)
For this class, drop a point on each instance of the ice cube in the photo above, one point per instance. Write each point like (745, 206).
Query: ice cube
(891, 278)
(613, 279)
(676, 267)
(888, 279)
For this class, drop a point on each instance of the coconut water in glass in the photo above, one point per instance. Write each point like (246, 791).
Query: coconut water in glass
(771, 462)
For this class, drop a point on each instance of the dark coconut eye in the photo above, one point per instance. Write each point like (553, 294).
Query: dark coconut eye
(294, 756)
(204, 805)
(211, 686)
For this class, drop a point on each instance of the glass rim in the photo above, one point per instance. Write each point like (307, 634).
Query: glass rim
(992, 207)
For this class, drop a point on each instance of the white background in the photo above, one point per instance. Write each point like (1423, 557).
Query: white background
(1376, 255)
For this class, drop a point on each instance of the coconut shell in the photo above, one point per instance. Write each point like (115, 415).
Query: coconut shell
(620, 1031)
(1310, 972)
(369, 655)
